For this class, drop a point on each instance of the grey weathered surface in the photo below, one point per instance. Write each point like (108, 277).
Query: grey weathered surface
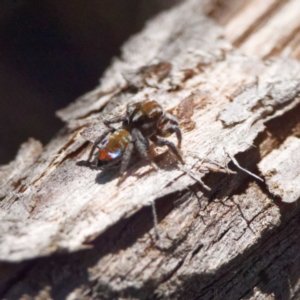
(70, 231)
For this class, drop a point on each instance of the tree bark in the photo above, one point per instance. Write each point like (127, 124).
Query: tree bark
(227, 220)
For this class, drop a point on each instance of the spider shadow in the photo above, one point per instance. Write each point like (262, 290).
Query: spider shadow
(164, 161)
(104, 175)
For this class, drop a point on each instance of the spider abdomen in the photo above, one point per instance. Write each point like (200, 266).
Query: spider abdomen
(113, 148)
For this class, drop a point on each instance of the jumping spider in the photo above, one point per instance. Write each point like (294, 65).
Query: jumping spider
(144, 121)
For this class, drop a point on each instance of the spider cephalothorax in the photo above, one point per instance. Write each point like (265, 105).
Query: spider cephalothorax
(151, 119)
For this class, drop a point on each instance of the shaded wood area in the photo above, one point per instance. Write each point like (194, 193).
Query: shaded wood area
(69, 231)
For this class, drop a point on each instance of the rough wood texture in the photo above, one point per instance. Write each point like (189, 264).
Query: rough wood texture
(70, 232)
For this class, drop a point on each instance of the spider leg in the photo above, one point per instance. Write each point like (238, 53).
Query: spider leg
(163, 142)
(126, 158)
(171, 118)
(98, 141)
(141, 141)
(142, 145)
(108, 123)
(169, 125)
(171, 129)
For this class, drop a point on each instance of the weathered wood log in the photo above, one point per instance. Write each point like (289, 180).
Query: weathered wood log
(68, 231)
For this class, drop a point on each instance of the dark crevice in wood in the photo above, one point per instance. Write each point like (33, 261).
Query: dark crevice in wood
(223, 234)
(196, 250)
(171, 274)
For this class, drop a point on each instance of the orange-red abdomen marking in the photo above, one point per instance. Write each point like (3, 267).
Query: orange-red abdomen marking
(113, 148)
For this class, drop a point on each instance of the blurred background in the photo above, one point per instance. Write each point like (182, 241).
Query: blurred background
(51, 52)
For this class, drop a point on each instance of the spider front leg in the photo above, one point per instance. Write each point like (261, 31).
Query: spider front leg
(171, 129)
(173, 126)
(142, 146)
(163, 142)
(171, 118)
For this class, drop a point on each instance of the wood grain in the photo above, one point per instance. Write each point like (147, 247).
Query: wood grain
(69, 231)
